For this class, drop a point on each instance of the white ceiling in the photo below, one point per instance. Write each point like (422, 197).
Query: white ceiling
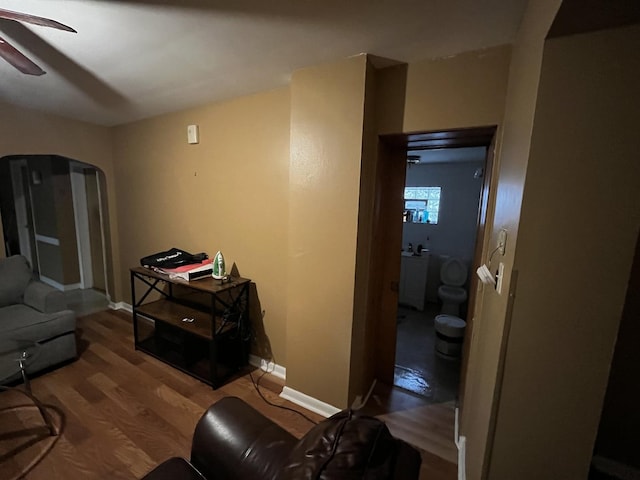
(139, 58)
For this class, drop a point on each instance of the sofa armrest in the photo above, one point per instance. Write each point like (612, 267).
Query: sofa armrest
(44, 298)
(234, 441)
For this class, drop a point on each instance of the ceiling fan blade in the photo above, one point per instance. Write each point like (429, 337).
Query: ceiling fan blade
(18, 60)
(35, 20)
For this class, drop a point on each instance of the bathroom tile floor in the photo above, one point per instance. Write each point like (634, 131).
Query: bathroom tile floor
(418, 368)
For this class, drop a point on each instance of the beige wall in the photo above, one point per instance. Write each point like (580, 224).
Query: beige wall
(483, 373)
(466, 90)
(362, 372)
(26, 132)
(578, 229)
(227, 193)
(327, 108)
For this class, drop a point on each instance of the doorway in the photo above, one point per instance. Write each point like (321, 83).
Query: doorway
(392, 175)
(54, 212)
(439, 222)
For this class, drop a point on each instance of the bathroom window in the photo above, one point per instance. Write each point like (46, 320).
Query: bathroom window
(421, 204)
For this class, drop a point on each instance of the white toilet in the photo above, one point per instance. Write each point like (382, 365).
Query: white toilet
(453, 275)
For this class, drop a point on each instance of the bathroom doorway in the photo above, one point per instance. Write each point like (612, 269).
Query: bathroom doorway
(393, 151)
(439, 222)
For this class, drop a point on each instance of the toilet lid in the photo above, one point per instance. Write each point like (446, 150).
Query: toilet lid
(453, 272)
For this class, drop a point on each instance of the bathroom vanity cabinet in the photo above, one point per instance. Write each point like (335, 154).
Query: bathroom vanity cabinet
(413, 280)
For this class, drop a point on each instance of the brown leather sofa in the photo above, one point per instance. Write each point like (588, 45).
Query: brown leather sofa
(234, 441)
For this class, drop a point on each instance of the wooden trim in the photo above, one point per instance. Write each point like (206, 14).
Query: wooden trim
(385, 271)
(483, 207)
(385, 274)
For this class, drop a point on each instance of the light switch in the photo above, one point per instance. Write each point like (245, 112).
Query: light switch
(502, 241)
(499, 277)
(192, 134)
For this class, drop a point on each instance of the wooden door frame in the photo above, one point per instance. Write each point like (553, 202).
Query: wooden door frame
(387, 215)
(384, 274)
(483, 208)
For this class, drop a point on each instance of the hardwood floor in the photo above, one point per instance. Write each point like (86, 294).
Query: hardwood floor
(429, 427)
(122, 412)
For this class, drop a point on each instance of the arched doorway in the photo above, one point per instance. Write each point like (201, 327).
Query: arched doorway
(54, 212)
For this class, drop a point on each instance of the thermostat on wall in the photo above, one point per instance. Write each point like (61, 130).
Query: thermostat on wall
(192, 134)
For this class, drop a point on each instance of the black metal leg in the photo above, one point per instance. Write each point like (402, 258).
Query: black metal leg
(134, 316)
(213, 347)
(23, 372)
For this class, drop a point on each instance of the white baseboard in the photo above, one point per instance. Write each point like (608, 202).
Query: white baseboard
(614, 468)
(268, 366)
(462, 455)
(461, 444)
(310, 403)
(121, 306)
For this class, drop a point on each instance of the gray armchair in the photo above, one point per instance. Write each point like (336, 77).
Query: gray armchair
(33, 311)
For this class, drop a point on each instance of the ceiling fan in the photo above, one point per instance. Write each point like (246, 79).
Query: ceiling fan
(14, 56)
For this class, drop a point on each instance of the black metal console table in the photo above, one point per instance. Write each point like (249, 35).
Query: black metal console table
(200, 327)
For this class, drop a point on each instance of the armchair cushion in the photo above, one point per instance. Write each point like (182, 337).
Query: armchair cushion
(247, 444)
(346, 445)
(15, 274)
